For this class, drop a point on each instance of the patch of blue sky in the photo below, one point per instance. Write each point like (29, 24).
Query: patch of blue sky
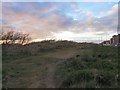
(96, 7)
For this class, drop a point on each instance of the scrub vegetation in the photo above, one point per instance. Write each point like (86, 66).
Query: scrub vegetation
(60, 64)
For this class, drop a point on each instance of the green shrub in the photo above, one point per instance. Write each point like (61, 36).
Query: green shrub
(105, 78)
(88, 58)
(77, 77)
(85, 75)
(74, 64)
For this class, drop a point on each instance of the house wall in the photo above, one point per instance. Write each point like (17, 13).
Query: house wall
(118, 38)
(111, 41)
(115, 39)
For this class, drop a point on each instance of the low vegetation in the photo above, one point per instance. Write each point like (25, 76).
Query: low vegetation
(96, 69)
(60, 64)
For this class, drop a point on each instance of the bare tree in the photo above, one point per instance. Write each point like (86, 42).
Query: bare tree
(12, 37)
(24, 38)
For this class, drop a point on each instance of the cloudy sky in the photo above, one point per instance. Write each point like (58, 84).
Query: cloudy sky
(78, 21)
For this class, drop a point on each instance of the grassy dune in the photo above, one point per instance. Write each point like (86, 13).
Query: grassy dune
(60, 64)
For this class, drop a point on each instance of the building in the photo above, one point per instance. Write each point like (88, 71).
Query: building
(106, 43)
(111, 41)
(118, 38)
(114, 41)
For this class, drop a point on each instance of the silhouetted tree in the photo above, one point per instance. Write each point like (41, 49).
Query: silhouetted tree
(12, 37)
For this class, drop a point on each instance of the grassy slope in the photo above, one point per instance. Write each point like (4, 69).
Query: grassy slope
(95, 68)
(34, 71)
(60, 68)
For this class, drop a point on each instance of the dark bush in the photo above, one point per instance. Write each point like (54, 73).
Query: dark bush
(99, 55)
(84, 75)
(75, 64)
(77, 55)
(77, 77)
(105, 78)
(86, 58)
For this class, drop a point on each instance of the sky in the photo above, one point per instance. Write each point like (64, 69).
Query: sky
(77, 21)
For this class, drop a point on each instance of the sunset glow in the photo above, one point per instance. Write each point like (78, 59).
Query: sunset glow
(77, 21)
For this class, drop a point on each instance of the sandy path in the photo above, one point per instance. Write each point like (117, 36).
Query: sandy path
(50, 79)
